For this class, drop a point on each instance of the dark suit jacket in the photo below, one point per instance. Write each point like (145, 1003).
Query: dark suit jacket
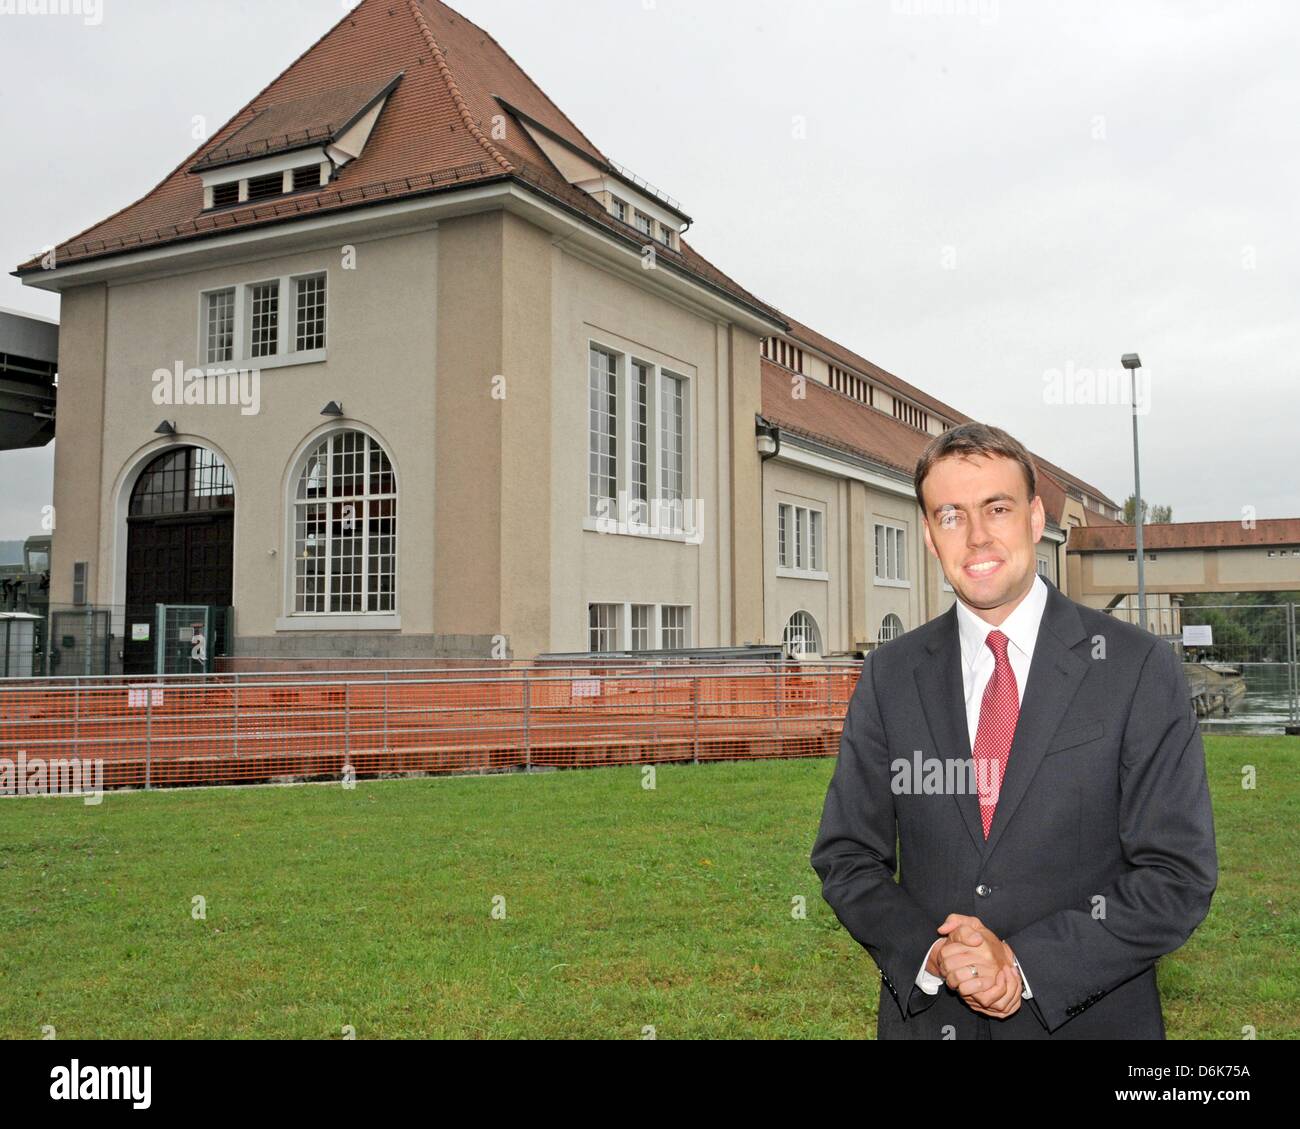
(1101, 857)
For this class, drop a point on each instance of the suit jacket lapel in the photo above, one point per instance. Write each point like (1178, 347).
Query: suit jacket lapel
(943, 700)
(1054, 677)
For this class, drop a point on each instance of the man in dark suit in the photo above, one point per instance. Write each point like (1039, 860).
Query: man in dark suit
(1041, 766)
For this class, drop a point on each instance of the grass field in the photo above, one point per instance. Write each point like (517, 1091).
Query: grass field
(624, 908)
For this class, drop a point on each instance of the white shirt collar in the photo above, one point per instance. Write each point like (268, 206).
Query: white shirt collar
(1020, 627)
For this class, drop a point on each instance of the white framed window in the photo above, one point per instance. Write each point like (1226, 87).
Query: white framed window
(672, 445)
(219, 326)
(602, 440)
(675, 627)
(270, 323)
(801, 540)
(643, 617)
(309, 313)
(644, 224)
(603, 622)
(619, 208)
(345, 529)
(891, 555)
(802, 636)
(639, 447)
(264, 319)
(642, 375)
(891, 627)
(646, 627)
(1042, 566)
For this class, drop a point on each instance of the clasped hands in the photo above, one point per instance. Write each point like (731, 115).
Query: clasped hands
(993, 987)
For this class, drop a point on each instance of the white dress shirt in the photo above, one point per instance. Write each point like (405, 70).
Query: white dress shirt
(977, 666)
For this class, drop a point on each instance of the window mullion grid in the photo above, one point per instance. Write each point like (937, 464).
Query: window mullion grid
(654, 452)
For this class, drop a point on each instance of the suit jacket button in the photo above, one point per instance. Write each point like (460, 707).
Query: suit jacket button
(983, 891)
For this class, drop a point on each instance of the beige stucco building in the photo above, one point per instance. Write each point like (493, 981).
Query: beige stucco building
(403, 366)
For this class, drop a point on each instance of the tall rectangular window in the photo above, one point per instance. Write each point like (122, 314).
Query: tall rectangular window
(644, 224)
(310, 312)
(675, 627)
(638, 446)
(891, 552)
(672, 455)
(264, 301)
(602, 445)
(220, 326)
(783, 536)
(602, 626)
(800, 516)
(642, 627)
(640, 441)
(814, 540)
(619, 208)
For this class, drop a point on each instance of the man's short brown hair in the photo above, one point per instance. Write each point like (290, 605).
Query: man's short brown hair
(974, 439)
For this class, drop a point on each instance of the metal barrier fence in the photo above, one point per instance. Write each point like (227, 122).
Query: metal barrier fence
(227, 729)
(1260, 641)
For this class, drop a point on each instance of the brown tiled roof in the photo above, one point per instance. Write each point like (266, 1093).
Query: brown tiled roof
(1073, 480)
(830, 417)
(839, 421)
(1052, 494)
(437, 133)
(1188, 535)
(314, 120)
(849, 359)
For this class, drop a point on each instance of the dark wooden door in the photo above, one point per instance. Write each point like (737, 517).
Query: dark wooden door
(173, 560)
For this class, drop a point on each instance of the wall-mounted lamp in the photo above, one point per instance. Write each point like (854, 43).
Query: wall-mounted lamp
(333, 408)
(165, 428)
(767, 438)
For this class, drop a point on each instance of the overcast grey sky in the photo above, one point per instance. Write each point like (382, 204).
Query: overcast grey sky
(975, 194)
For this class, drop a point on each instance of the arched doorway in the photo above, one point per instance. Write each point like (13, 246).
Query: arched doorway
(180, 543)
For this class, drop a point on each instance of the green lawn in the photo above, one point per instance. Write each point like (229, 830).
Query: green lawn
(624, 908)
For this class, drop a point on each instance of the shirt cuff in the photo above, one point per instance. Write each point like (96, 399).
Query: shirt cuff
(1025, 994)
(926, 981)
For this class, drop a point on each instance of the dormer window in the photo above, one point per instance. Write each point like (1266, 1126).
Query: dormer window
(223, 195)
(293, 146)
(619, 208)
(309, 176)
(645, 225)
(264, 187)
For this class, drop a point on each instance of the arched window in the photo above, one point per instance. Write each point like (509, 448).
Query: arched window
(891, 627)
(801, 635)
(183, 481)
(345, 528)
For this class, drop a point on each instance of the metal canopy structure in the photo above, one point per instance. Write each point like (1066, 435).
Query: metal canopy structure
(29, 363)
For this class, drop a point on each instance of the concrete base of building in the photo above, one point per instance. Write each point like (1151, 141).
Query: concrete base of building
(324, 651)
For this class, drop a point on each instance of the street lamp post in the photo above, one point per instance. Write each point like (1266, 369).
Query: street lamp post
(1133, 362)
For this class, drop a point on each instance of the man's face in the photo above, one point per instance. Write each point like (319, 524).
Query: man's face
(983, 529)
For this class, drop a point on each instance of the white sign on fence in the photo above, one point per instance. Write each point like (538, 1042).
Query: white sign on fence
(140, 695)
(586, 687)
(1198, 635)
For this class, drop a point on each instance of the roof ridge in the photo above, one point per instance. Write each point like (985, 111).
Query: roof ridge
(440, 61)
(205, 144)
(555, 105)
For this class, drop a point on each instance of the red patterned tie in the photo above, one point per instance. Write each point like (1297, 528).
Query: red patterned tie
(999, 712)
